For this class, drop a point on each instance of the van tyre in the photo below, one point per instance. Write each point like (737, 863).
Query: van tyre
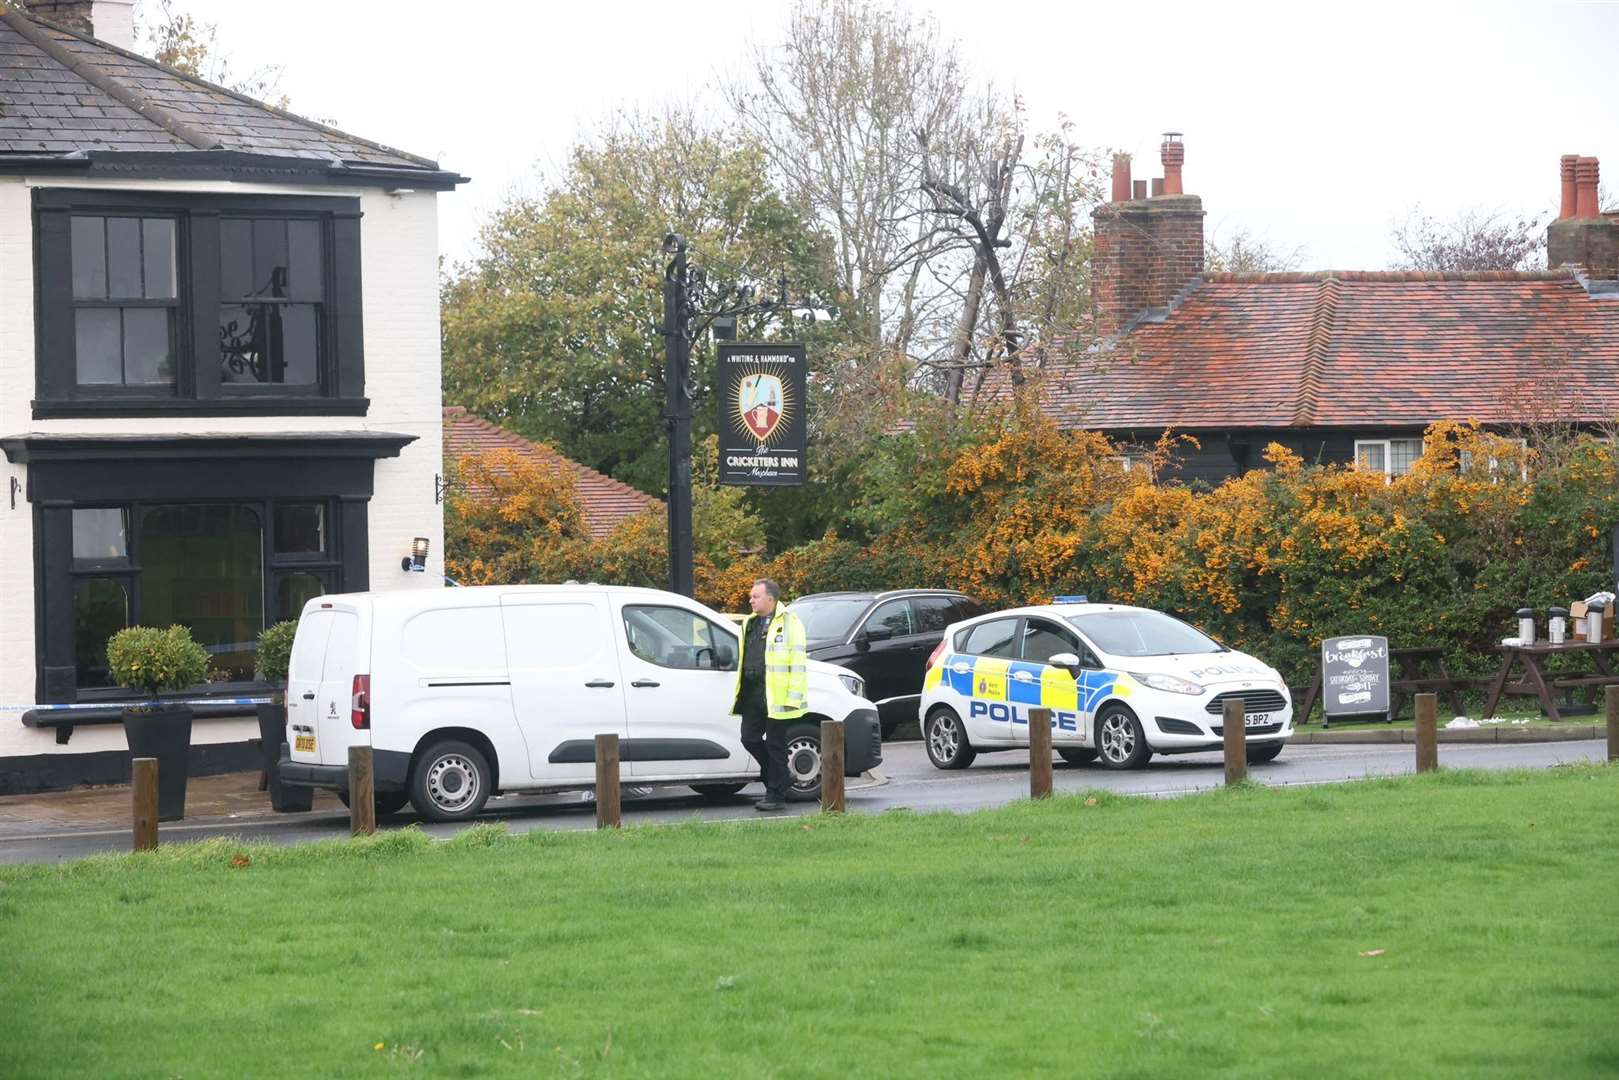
(946, 739)
(1076, 755)
(717, 792)
(1259, 753)
(450, 781)
(803, 762)
(1119, 739)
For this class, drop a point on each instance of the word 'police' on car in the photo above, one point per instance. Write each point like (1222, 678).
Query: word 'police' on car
(1122, 683)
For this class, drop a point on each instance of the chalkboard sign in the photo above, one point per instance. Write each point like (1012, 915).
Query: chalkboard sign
(1355, 675)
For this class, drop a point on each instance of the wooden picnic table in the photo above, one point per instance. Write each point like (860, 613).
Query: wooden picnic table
(1537, 682)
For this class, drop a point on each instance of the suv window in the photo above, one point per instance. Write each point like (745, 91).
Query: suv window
(676, 638)
(934, 613)
(1043, 640)
(893, 616)
(998, 637)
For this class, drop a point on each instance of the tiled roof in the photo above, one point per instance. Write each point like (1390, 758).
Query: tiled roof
(62, 92)
(607, 502)
(1350, 349)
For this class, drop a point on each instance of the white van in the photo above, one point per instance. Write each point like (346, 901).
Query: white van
(467, 692)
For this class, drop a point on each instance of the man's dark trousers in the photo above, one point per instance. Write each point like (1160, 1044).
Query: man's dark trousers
(766, 740)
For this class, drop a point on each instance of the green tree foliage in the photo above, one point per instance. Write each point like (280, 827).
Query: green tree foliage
(553, 330)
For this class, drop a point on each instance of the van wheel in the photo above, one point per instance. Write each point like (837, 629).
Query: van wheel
(803, 762)
(450, 781)
(946, 740)
(386, 802)
(717, 792)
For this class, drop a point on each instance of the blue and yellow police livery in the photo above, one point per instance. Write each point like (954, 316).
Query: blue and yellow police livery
(1122, 683)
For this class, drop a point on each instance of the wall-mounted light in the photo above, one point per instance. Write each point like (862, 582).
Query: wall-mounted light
(416, 561)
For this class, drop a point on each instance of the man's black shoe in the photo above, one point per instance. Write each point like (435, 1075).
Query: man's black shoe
(770, 804)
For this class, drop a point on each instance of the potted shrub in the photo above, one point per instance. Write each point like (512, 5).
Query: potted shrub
(150, 661)
(275, 651)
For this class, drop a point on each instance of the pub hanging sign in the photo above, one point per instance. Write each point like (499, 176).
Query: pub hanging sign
(761, 422)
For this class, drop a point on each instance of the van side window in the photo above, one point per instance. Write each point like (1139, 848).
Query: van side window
(673, 637)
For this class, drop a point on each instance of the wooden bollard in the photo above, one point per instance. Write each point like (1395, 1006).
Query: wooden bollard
(609, 800)
(1039, 753)
(143, 782)
(362, 792)
(1611, 698)
(1427, 733)
(832, 767)
(1234, 719)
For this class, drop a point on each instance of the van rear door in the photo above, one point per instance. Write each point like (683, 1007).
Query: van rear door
(320, 706)
(304, 669)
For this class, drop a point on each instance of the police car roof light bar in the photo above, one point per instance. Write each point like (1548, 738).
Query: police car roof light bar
(1071, 600)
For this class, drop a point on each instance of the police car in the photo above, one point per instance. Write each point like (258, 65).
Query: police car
(1122, 683)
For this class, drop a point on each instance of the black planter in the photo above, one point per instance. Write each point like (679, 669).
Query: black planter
(272, 737)
(163, 733)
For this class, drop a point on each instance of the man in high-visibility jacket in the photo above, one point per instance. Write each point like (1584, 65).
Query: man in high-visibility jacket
(772, 685)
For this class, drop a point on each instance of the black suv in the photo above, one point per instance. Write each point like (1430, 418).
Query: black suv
(885, 638)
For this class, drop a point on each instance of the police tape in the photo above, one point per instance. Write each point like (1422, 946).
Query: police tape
(136, 704)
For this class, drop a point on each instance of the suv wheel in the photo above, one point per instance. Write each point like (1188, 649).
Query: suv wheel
(946, 739)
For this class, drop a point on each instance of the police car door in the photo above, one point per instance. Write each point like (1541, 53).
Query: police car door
(1034, 682)
(977, 676)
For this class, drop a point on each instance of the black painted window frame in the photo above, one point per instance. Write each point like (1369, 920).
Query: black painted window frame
(199, 390)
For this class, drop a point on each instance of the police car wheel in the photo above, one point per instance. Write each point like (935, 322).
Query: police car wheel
(1259, 753)
(803, 763)
(1120, 740)
(717, 792)
(1077, 755)
(450, 782)
(946, 740)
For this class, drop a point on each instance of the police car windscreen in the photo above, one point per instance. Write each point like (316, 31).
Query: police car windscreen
(1142, 633)
(829, 618)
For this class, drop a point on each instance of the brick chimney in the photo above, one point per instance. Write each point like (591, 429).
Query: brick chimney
(1146, 249)
(1581, 236)
(113, 21)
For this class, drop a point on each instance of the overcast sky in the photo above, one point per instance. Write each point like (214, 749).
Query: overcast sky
(1311, 126)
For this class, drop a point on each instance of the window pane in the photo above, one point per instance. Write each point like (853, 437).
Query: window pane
(269, 343)
(241, 344)
(89, 258)
(1402, 453)
(305, 254)
(203, 567)
(300, 528)
(893, 616)
(146, 347)
(994, 638)
(269, 258)
(300, 345)
(157, 257)
(933, 613)
(97, 346)
(676, 638)
(100, 610)
(235, 258)
(295, 591)
(1041, 642)
(98, 535)
(1370, 456)
(123, 257)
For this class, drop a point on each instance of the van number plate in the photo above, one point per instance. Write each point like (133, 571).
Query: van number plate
(304, 744)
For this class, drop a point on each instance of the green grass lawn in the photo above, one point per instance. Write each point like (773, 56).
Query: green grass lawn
(1458, 923)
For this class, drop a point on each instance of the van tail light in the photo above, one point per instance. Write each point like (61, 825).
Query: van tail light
(360, 703)
(938, 650)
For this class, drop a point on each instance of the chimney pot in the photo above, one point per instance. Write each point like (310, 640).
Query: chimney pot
(1566, 173)
(1138, 189)
(1173, 154)
(1585, 187)
(1157, 186)
(1121, 177)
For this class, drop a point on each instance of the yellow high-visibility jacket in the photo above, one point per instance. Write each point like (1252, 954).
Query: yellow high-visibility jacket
(786, 666)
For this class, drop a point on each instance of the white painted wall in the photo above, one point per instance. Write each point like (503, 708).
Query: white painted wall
(399, 271)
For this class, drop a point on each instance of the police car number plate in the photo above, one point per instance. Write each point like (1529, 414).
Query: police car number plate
(304, 744)
(1255, 719)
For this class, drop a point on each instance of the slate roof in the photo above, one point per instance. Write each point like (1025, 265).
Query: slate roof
(1350, 349)
(62, 92)
(607, 502)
